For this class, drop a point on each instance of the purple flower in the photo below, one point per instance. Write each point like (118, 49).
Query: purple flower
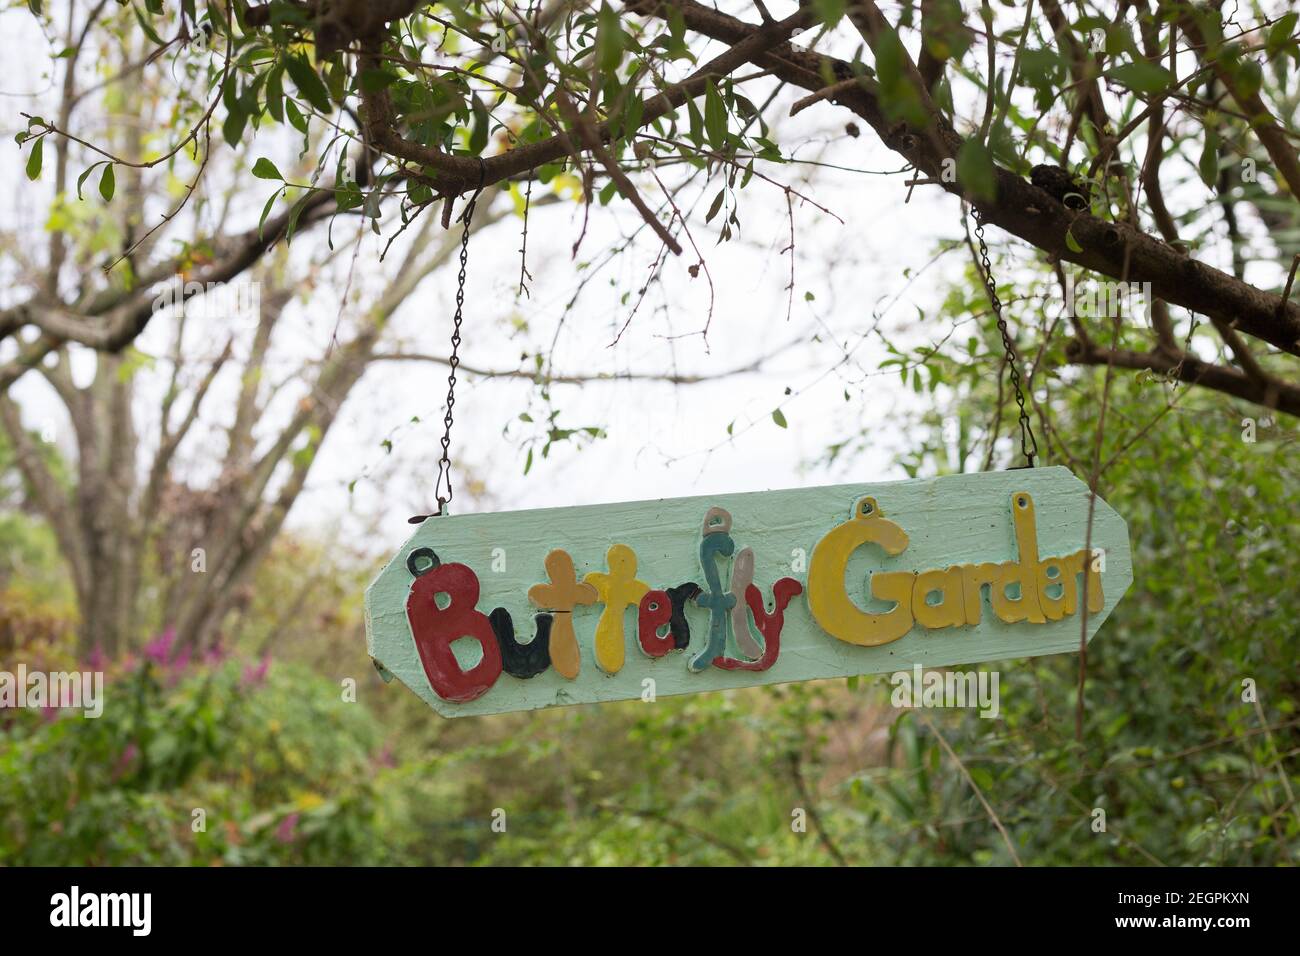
(254, 676)
(159, 649)
(287, 831)
(124, 762)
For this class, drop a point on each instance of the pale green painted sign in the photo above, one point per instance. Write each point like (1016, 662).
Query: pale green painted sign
(483, 614)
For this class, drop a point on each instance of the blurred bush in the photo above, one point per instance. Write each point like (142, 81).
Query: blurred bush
(211, 762)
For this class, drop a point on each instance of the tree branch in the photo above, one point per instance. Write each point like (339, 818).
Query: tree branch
(44, 491)
(1261, 120)
(459, 173)
(1188, 368)
(1118, 250)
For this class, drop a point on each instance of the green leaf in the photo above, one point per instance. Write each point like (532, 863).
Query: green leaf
(81, 180)
(675, 46)
(697, 124)
(266, 211)
(715, 117)
(715, 206)
(420, 194)
(943, 33)
(899, 97)
(296, 119)
(1280, 34)
(265, 169)
(1247, 79)
(149, 31)
(349, 197)
(275, 94)
(779, 417)
(34, 160)
(302, 458)
(309, 83)
(1071, 243)
(609, 39)
(981, 777)
(233, 128)
(889, 60)
(230, 92)
(294, 213)
(1209, 162)
(372, 81)
(975, 171)
(830, 11)
(1039, 66)
(107, 183)
(1142, 76)
(133, 360)
(336, 80)
(479, 132)
(632, 114)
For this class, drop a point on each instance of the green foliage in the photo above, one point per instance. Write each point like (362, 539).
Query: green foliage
(1186, 771)
(280, 767)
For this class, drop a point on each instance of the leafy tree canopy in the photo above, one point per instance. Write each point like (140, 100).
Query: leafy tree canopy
(1126, 141)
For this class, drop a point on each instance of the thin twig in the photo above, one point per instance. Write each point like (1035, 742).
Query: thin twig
(979, 794)
(801, 785)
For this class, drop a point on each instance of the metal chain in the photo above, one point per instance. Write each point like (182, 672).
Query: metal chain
(444, 463)
(1028, 443)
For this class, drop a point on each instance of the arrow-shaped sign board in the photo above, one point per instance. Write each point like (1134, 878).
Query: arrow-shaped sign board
(484, 614)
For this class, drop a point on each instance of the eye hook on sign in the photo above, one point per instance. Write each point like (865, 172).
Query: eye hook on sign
(414, 558)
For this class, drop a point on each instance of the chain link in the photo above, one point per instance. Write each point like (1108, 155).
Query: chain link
(443, 481)
(1028, 443)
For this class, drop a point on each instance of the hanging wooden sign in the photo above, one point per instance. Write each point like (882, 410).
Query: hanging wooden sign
(483, 614)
